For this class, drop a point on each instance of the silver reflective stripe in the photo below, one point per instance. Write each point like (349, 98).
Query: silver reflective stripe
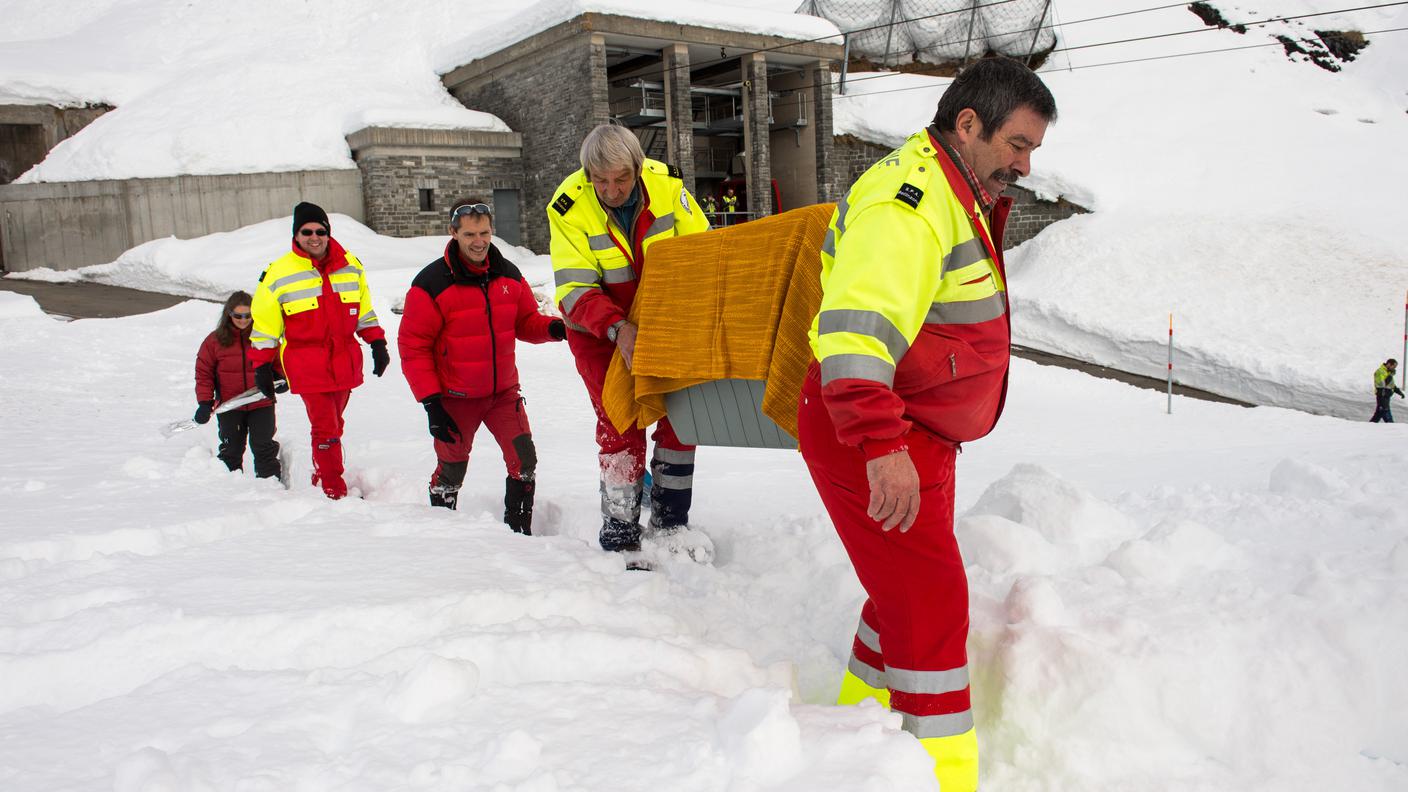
(866, 323)
(828, 245)
(367, 321)
(299, 294)
(574, 326)
(841, 209)
(869, 637)
(926, 726)
(864, 367)
(347, 286)
(619, 275)
(350, 269)
(621, 502)
(929, 682)
(563, 277)
(571, 300)
(661, 225)
(965, 253)
(262, 340)
(287, 280)
(868, 674)
(970, 312)
(671, 456)
(669, 482)
(600, 242)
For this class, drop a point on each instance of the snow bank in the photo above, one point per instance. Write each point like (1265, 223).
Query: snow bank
(18, 306)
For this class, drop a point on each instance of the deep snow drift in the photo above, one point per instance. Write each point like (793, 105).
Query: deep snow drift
(1213, 599)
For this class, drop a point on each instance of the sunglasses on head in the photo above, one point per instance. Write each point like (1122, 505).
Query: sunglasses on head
(469, 209)
(312, 231)
(239, 315)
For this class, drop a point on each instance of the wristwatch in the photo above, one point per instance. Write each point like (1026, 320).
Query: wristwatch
(613, 330)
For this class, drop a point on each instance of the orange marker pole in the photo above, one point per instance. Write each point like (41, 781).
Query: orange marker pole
(1170, 357)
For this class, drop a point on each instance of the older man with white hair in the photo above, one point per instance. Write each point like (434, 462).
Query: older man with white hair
(604, 218)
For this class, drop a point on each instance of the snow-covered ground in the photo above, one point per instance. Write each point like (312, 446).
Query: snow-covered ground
(1213, 599)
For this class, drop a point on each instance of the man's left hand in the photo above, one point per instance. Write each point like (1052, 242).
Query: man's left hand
(380, 357)
(626, 342)
(894, 491)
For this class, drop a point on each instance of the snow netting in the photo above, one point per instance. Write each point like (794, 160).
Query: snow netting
(936, 31)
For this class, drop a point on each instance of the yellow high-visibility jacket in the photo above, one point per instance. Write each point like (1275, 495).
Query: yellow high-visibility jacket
(595, 262)
(913, 326)
(307, 313)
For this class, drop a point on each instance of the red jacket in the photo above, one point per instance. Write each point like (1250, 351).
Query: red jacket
(224, 372)
(460, 323)
(308, 314)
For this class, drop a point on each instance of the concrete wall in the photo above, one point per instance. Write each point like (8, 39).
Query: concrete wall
(29, 132)
(792, 152)
(396, 163)
(1029, 213)
(67, 225)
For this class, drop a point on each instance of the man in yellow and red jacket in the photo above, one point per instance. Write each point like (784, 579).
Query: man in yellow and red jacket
(912, 347)
(604, 218)
(464, 314)
(309, 305)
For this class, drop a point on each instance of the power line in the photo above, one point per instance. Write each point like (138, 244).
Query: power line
(1117, 63)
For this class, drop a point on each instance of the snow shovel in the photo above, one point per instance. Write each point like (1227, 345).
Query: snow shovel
(248, 397)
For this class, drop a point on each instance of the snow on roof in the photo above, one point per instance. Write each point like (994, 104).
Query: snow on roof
(544, 15)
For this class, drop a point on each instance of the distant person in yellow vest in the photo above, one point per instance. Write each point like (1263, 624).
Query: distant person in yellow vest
(604, 218)
(711, 208)
(912, 344)
(1384, 390)
(730, 200)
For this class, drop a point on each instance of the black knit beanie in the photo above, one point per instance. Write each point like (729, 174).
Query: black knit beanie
(306, 212)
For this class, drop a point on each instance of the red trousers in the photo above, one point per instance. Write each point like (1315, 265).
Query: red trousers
(914, 627)
(505, 416)
(621, 455)
(325, 420)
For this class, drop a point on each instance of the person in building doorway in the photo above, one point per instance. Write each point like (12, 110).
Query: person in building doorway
(911, 345)
(1384, 390)
(309, 307)
(224, 370)
(604, 218)
(463, 315)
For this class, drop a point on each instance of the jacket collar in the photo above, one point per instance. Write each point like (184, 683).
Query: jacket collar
(335, 260)
(462, 271)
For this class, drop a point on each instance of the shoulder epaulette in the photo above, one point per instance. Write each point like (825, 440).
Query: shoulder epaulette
(562, 204)
(674, 171)
(910, 195)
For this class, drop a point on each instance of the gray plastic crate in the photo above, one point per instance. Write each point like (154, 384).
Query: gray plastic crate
(725, 412)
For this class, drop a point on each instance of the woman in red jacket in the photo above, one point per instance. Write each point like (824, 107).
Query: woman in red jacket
(224, 370)
(464, 313)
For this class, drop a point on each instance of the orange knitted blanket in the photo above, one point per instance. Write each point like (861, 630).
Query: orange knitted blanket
(733, 303)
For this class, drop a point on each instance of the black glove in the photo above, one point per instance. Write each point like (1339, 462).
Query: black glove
(442, 426)
(203, 412)
(1399, 391)
(380, 357)
(557, 329)
(264, 379)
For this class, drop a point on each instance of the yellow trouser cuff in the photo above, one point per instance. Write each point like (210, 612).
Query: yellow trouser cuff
(854, 691)
(955, 760)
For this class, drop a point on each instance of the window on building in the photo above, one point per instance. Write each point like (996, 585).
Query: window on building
(427, 199)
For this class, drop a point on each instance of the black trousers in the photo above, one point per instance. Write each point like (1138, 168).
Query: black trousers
(1382, 410)
(258, 427)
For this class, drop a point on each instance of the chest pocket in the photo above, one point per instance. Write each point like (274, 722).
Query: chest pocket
(300, 296)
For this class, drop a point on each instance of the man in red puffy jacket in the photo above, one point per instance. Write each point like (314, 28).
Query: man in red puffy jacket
(463, 314)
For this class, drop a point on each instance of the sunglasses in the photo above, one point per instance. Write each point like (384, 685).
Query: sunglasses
(469, 209)
(238, 315)
(311, 231)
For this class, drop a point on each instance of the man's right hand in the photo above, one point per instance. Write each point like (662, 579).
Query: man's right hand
(264, 379)
(626, 342)
(894, 490)
(442, 426)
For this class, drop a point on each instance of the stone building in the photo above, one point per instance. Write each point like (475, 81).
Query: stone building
(741, 110)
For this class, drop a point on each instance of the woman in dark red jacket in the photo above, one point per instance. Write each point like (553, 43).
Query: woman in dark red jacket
(463, 315)
(223, 371)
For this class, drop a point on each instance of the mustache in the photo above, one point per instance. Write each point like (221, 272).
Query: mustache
(1007, 176)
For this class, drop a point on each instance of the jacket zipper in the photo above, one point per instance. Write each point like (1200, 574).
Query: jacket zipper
(953, 364)
(493, 342)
